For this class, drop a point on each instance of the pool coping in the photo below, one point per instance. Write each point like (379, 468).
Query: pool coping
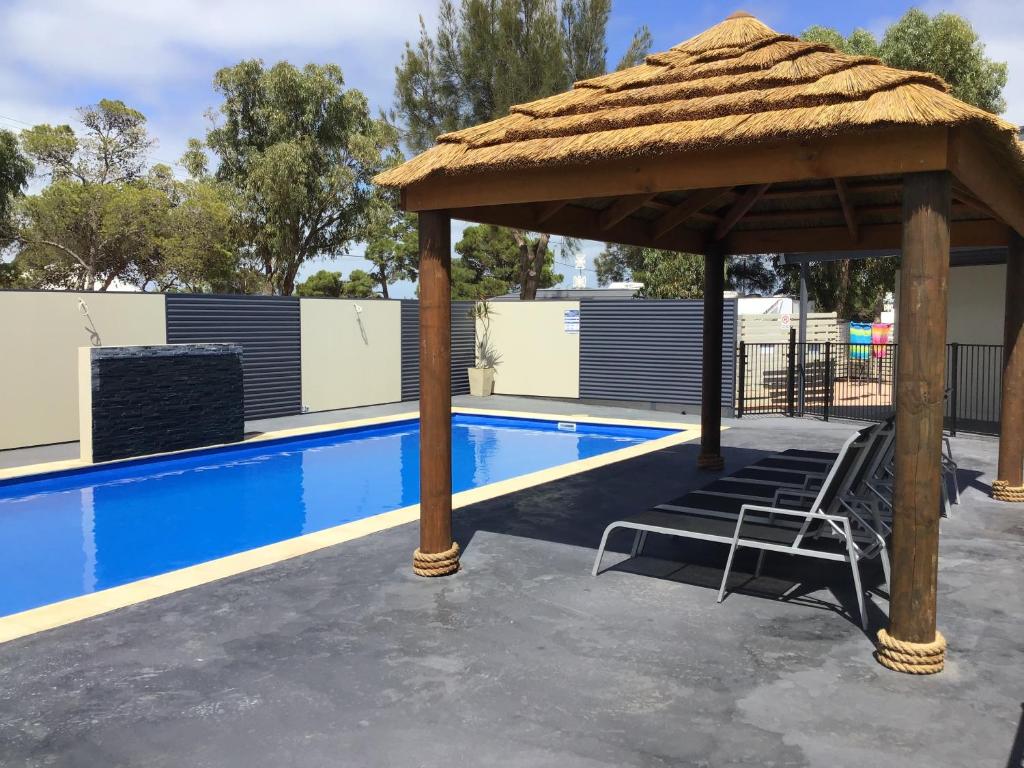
(86, 606)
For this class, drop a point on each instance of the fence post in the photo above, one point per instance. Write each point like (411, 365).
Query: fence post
(953, 384)
(742, 379)
(791, 375)
(828, 380)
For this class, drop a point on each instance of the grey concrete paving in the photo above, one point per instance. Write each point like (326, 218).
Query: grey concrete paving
(344, 658)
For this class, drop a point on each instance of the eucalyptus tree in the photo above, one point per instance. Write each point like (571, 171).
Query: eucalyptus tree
(299, 150)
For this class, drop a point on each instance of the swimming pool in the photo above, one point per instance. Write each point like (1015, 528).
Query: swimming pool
(79, 531)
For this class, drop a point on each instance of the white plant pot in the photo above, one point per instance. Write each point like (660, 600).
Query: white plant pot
(481, 381)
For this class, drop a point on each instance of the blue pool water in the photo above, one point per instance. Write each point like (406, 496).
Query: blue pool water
(75, 532)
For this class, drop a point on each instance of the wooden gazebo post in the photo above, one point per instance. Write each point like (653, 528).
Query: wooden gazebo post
(710, 457)
(911, 643)
(1009, 485)
(437, 554)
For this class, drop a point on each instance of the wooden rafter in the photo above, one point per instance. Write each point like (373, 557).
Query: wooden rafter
(849, 211)
(963, 196)
(581, 222)
(984, 174)
(796, 215)
(692, 205)
(976, 233)
(622, 208)
(546, 210)
(739, 208)
(801, 192)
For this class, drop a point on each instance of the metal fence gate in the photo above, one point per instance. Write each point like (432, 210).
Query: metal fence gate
(858, 381)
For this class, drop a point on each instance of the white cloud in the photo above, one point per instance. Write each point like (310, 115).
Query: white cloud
(153, 42)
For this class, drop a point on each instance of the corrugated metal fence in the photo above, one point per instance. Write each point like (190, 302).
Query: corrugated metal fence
(463, 345)
(267, 328)
(649, 351)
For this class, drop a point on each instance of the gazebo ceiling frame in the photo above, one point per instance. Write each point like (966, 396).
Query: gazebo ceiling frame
(904, 167)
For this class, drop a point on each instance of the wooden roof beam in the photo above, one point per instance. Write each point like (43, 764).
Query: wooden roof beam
(856, 189)
(622, 208)
(739, 209)
(584, 223)
(692, 205)
(985, 176)
(546, 210)
(887, 152)
(849, 211)
(971, 232)
(963, 196)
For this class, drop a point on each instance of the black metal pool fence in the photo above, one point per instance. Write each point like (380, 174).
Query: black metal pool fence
(858, 381)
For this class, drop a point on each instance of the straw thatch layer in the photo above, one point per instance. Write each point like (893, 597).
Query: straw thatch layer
(739, 82)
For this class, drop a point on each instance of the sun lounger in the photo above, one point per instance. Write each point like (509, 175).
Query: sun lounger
(787, 524)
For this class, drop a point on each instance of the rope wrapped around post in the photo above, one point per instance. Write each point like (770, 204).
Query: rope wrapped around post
(712, 462)
(911, 658)
(437, 564)
(1003, 491)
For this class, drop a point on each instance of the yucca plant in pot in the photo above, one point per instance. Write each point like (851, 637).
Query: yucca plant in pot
(481, 375)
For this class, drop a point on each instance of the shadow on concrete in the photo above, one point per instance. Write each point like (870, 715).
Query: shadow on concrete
(576, 510)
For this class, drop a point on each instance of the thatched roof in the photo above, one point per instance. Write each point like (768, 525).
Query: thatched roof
(739, 82)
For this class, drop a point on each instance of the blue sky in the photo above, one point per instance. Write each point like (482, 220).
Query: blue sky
(159, 56)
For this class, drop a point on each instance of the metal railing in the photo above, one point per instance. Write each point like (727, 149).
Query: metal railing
(858, 381)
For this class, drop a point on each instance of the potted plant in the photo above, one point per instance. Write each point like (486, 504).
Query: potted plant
(481, 375)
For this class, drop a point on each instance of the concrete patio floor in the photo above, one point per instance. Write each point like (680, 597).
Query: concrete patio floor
(345, 658)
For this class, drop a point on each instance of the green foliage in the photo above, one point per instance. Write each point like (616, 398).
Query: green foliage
(753, 275)
(325, 283)
(638, 49)
(490, 262)
(101, 219)
(490, 54)
(299, 152)
(75, 235)
(322, 283)
(200, 249)
(359, 285)
(486, 56)
(392, 245)
(112, 150)
(15, 170)
(583, 39)
(945, 44)
(665, 274)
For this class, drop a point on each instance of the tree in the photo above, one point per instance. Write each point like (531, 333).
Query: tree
(299, 151)
(321, 283)
(331, 284)
(359, 285)
(638, 49)
(583, 37)
(103, 217)
(201, 247)
(500, 258)
(946, 45)
(392, 246)
(753, 275)
(489, 55)
(112, 150)
(664, 274)
(15, 171)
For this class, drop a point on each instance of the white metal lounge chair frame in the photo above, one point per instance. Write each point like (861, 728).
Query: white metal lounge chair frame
(839, 524)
